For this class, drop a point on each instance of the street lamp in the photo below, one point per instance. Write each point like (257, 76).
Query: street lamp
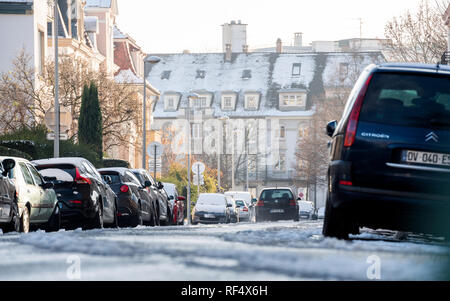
(57, 109)
(151, 60)
(191, 96)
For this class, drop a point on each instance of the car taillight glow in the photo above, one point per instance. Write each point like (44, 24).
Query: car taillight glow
(81, 180)
(292, 203)
(346, 183)
(260, 203)
(76, 202)
(124, 188)
(245, 209)
(352, 125)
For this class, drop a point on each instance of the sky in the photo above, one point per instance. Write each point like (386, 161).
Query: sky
(171, 26)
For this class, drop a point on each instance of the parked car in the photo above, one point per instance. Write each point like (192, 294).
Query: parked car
(177, 203)
(164, 207)
(390, 153)
(234, 211)
(306, 209)
(85, 199)
(37, 201)
(244, 214)
(9, 209)
(211, 208)
(246, 197)
(276, 204)
(135, 204)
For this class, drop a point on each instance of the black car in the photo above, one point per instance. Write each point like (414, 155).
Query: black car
(135, 205)
(276, 204)
(9, 210)
(164, 206)
(390, 153)
(85, 199)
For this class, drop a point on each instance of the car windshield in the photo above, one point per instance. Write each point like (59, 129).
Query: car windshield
(211, 199)
(240, 203)
(411, 100)
(276, 195)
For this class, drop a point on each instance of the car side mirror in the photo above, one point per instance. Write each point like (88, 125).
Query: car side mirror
(8, 164)
(171, 197)
(147, 184)
(48, 185)
(160, 185)
(107, 179)
(229, 205)
(331, 127)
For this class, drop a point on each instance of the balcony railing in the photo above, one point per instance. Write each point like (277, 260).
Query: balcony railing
(446, 58)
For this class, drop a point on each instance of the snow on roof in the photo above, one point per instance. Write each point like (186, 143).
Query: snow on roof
(118, 34)
(271, 73)
(98, 3)
(127, 76)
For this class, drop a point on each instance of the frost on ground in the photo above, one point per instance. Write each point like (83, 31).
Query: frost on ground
(267, 251)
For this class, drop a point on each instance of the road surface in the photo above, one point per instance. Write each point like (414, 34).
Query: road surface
(281, 251)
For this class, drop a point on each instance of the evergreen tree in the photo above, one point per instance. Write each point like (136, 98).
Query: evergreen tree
(90, 131)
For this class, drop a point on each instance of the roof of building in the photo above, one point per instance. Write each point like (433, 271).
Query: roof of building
(98, 3)
(271, 73)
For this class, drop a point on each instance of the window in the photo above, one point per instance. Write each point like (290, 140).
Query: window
(296, 69)
(282, 132)
(196, 131)
(293, 100)
(166, 74)
(247, 74)
(280, 164)
(26, 174)
(343, 70)
(201, 74)
(200, 102)
(251, 101)
(170, 102)
(37, 178)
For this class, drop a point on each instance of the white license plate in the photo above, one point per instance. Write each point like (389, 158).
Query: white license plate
(277, 211)
(210, 216)
(426, 158)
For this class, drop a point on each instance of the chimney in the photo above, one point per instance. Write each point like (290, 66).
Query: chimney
(245, 48)
(279, 46)
(298, 39)
(228, 52)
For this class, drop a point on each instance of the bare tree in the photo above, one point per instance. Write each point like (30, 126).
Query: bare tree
(418, 36)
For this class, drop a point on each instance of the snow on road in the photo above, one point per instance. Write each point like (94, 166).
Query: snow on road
(267, 251)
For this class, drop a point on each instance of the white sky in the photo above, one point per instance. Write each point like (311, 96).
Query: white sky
(170, 26)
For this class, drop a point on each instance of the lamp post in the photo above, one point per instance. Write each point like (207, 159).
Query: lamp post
(192, 96)
(224, 119)
(151, 60)
(57, 127)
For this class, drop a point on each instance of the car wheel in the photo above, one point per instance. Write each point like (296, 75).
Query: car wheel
(54, 223)
(98, 220)
(25, 221)
(297, 218)
(335, 224)
(14, 225)
(115, 223)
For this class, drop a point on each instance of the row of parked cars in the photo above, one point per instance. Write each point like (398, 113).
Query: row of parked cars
(70, 192)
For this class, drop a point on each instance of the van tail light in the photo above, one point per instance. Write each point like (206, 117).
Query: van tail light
(292, 203)
(260, 203)
(352, 125)
(81, 180)
(124, 188)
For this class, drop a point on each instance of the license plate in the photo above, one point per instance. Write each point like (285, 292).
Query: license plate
(210, 216)
(426, 158)
(277, 211)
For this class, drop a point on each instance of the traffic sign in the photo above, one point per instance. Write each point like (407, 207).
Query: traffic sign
(199, 179)
(51, 136)
(151, 165)
(155, 149)
(198, 167)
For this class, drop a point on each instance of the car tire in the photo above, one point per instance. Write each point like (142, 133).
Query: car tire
(115, 223)
(14, 225)
(297, 218)
(335, 223)
(25, 221)
(54, 223)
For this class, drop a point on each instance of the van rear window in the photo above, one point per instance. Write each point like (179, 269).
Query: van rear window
(407, 99)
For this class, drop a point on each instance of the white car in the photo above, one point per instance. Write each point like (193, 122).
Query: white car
(211, 208)
(244, 212)
(244, 196)
(306, 209)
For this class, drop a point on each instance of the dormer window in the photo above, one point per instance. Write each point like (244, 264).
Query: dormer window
(171, 102)
(228, 101)
(247, 74)
(252, 101)
(293, 100)
(296, 69)
(203, 101)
